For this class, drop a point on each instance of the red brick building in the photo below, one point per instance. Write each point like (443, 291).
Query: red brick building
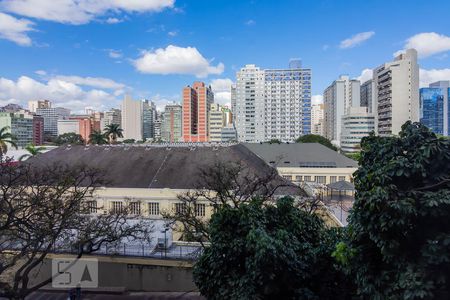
(196, 105)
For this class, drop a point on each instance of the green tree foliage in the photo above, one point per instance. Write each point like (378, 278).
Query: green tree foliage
(129, 141)
(98, 138)
(263, 251)
(32, 151)
(6, 138)
(113, 131)
(399, 246)
(314, 138)
(69, 138)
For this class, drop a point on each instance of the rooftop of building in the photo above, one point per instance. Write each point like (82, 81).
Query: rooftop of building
(300, 155)
(173, 166)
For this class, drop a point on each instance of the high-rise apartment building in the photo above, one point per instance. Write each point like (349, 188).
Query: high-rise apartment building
(248, 102)
(38, 130)
(35, 104)
(196, 105)
(272, 103)
(19, 124)
(171, 123)
(112, 116)
(356, 124)
(435, 107)
(51, 117)
(342, 94)
(132, 119)
(317, 119)
(148, 119)
(216, 123)
(397, 93)
(368, 98)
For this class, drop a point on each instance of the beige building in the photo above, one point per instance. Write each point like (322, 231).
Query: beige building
(132, 119)
(306, 162)
(397, 93)
(217, 120)
(317, 119)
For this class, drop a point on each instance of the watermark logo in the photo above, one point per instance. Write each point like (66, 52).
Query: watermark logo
(71, 273)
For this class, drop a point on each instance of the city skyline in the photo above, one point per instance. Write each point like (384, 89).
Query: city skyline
(78, 56)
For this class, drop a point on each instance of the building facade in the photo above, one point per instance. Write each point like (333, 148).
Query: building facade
(132, 119)
(35, 104)
(287, 99)
(435, 107)
(368, 96)
(20, 124)
(272, 103)
(338, 97)
(397, 93)
(356, 124)
(148, 119)
(248, 102)
(112, 116)
(196, 105)
(38, 130)
(51, 117)
(68, 126)
(171, 123)
(317, 119)
(216, 122)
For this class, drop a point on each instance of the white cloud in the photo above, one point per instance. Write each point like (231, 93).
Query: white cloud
(173, 33)
(113, 20)
(114, 53)
(316, 99)
(98, 82)
(176, 60)
(222, 90)
(356, 39)
(41, 72)
(427, 44)
(15, 30)
(366, 74)
(250, 22)
(80, 11)
(433, 75)
(60, 91)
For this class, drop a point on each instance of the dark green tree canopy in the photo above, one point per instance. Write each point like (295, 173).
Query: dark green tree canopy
(69, 138)
(314, 138)
(400, 225)
(261, 251)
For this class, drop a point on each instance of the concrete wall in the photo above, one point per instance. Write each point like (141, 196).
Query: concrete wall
(135, 274)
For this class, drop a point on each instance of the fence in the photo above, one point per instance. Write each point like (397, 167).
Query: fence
(175, 251)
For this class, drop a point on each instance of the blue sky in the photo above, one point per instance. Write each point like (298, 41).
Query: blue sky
(81, 53)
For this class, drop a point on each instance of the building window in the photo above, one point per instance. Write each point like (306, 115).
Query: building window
(307, 178)
(333, 179)
(153, 208)
(298, 178)
(180, 208)
(341, 178)
(135, 208)
(288, 177)
(92, 207)
(200, 210)
(116, 207)
(320, 179)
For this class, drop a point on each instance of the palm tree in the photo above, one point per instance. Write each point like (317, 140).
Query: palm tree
(98, 138)
(32, 151)
(113, 131)
(5, 139)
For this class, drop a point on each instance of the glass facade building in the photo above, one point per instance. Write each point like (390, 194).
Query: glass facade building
(435, 108)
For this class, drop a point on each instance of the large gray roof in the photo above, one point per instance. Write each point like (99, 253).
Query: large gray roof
(154, 167)
(301, 155)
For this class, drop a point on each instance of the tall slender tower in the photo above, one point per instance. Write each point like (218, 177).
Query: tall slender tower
(196, 105)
